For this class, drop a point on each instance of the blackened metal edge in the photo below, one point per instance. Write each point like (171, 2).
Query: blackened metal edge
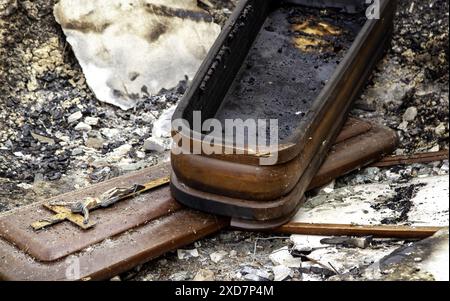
(227, 36)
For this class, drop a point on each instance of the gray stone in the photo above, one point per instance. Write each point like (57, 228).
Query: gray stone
(216, 257)
(252, 277)
(126, 166)
(121, 151)
(43, 139)
(283, 257)
(440, 130)
(281, 272)
(204, 275)
(179, 276)
(163, 126)
(96, 143)
(91, 120)
(403, 126)
(154, 145)
(77, 151)
(254, 274)
(186, 254)
(410, 114)
(110, 133)
(75, 117)
(83, 127)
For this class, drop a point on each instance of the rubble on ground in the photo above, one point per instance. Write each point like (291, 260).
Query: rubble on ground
(45, 96)
(55, 136)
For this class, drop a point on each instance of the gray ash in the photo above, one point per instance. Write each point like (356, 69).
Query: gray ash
(43, 86)
(413, 75)
(423, 39)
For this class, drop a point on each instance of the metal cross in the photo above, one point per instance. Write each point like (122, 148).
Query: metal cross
(64, 213)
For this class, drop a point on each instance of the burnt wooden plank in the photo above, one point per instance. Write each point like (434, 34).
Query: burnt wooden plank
(65, 238)
(114, 255)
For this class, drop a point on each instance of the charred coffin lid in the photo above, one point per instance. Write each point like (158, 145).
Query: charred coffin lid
(273, 60)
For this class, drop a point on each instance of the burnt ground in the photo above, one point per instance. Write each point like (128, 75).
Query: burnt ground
(42, 155)
(400, 202)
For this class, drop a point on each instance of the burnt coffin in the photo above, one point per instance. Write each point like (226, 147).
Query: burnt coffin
(274, 60)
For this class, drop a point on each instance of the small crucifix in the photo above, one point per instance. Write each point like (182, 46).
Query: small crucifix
(78, 212)
(62, 214)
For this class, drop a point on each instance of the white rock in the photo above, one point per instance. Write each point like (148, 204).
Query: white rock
(83, 127)
(426, 259)
(141, 131)
(281, 272)
(110, 133)
(403, 126)
(255, 274)
(155, 145)
(163, 126)
(93, 142)
(445, 167)
(204, 275)
(140, 155)
(306, 243)
(218, 256)
(186, 254)
(329, 188)
(18, 154)
(25, 186)
(127, 165)
(440, 129)
(75, 117)
(262, 274)
(122, 150)
(252, 277)
(77, 151)
(392, 176)
(437, 262)
(148, 118)
(179, 276)
(410, 114)
(435, 148)
(91, 120)
(283, 257)
(112, 39)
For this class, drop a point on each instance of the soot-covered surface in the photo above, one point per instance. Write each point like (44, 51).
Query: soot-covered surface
(293, 57)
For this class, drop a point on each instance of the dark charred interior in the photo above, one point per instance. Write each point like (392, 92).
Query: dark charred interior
(294, 55)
